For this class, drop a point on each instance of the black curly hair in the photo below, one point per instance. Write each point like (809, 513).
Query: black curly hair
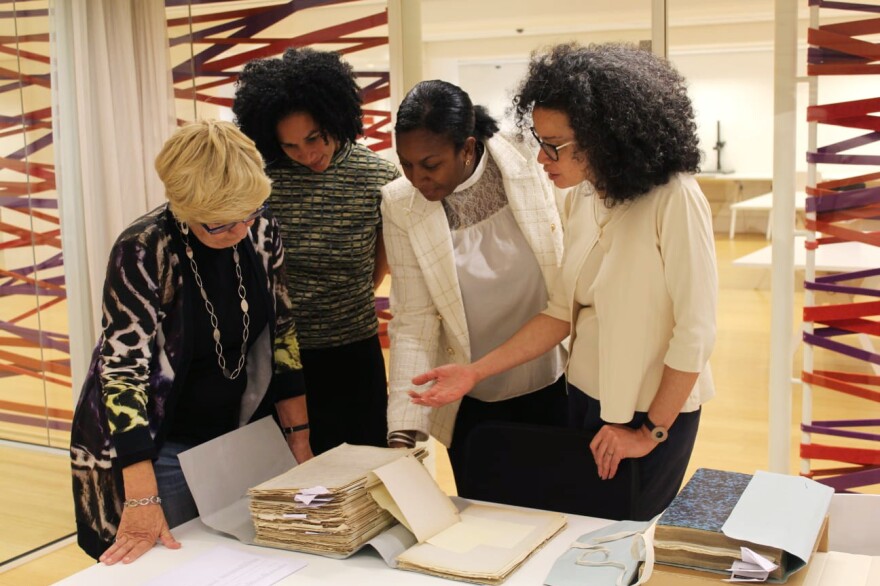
(629, 109)
(445, 109)
(302, 80)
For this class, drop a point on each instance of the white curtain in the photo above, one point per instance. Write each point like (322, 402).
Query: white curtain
(113, 109)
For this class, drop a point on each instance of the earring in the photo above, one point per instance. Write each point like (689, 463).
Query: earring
(467, 162)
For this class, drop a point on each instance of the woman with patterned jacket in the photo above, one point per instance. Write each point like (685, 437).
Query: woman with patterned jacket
(197, 340)
(473, 216)
(303, 111)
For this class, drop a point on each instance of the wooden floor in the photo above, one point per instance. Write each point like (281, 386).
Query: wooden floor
(36, 504)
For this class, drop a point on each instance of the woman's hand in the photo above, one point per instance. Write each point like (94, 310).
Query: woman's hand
(451, 383)
(139, 530)
(612, 443)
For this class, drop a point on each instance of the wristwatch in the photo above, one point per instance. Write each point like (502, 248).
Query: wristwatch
(658, 433)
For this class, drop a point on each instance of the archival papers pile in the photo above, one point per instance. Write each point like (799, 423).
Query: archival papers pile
(322, 506)
(481, 543)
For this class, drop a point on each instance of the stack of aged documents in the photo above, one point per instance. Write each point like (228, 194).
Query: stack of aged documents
(322, 506)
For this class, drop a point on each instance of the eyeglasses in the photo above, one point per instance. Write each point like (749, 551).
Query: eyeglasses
(551, 150)
(227, 227)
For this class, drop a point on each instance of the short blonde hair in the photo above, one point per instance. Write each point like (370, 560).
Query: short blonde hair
(212, 173)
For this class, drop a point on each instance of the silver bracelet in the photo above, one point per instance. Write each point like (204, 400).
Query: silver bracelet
(147, 500)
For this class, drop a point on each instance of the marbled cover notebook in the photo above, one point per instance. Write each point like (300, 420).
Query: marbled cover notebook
(706, 501)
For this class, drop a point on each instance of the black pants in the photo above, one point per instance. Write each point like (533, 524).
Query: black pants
(347, 395)
(662, 470)
(547, 406)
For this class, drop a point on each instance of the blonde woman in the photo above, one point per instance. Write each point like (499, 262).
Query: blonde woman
(197, 340)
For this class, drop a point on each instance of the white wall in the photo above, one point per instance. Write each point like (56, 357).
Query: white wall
(733, 85)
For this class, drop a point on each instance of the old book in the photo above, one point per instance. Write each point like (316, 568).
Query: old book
(483, 544)
(689, 532)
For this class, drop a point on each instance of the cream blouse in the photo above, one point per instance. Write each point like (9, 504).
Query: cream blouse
(639, 286)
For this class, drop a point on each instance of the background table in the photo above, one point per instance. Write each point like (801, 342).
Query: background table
(763, 203)
(843, 257)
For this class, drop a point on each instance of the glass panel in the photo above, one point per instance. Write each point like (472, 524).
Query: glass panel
(211, 41)
(35, 395)
(34, 368)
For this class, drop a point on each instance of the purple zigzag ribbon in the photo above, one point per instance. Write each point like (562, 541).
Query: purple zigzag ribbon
(841, 289)
(845, 6)
(46, 339)
(841, 433)
(852, 480)
(844, 200)
(841, 348)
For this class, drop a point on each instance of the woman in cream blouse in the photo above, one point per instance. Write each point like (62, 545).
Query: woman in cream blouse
(473, 215)
(638, 287)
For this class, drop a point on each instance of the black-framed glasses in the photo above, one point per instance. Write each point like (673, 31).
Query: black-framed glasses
(227, 227)
(551, 150)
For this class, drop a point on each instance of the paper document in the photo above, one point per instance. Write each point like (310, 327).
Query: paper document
(752, 568)
(224, 566)
(417, 500)
(220, 472)
(782, 511)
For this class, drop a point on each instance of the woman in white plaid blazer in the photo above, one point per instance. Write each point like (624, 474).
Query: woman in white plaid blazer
(474, 242)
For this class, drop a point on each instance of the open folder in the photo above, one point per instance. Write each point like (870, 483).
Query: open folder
(481, 543)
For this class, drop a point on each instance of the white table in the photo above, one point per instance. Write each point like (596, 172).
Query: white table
(364, 568)
(763, 203)
(843, 257)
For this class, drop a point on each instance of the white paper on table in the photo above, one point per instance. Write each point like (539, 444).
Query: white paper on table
(753, 567)
(220, 472)
(779, 510)
(224, 566)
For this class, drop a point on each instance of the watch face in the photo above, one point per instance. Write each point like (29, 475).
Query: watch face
(659, 433)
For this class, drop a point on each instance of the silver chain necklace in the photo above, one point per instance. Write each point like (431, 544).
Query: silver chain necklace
(242, 294)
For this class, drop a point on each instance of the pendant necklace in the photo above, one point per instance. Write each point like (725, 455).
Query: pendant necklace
(242, 294)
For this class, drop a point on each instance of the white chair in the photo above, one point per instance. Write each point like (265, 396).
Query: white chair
(854, 524)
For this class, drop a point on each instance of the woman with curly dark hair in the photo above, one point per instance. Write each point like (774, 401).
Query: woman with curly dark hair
(638, 288)
(303, 111)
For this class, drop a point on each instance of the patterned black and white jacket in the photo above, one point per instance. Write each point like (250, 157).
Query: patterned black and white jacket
(142, 357)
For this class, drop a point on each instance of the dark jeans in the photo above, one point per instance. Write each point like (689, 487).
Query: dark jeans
(346, 394)
(547, 406)
(662, 470)
(177, 501)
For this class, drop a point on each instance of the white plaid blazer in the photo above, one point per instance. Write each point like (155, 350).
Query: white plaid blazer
(429, 327)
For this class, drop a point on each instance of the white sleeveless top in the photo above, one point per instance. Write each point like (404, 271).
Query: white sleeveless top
(502, 286)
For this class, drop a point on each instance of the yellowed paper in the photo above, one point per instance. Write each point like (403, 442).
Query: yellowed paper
(382, 497)
(427, 510)
(474, 531)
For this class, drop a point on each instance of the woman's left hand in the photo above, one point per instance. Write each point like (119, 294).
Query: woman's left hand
(613, 442)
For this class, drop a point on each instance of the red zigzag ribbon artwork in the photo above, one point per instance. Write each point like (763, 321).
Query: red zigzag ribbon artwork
(845, 210)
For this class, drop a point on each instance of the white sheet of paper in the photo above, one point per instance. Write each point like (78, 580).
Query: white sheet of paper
(475, 531)
(755, 559)
(427, 510)
(220, 472)
(224, 566)
(782, 511)
(747, 572)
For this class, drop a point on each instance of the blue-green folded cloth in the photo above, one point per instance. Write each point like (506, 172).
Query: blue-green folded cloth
(609, 556)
